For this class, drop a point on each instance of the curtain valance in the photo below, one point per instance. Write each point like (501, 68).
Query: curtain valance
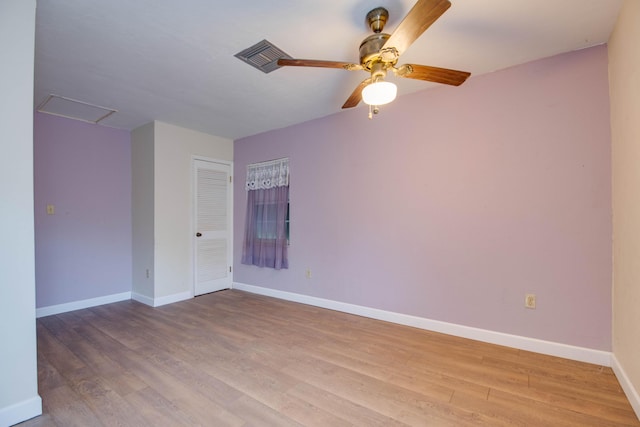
(265, 175)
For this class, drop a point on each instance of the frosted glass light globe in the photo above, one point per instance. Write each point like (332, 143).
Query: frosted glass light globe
(379, 93)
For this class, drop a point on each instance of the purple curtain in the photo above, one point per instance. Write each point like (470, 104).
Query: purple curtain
(265, 239)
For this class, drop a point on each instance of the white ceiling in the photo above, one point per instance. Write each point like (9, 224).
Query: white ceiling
(174, 61)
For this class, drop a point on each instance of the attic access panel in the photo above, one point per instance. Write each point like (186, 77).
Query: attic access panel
(263, 56)
(74, 109)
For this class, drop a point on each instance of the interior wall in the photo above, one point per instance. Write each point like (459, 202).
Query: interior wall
(624, 76)
(83, 250)
(173, 150)
(453, 203)
(142, 203)
(19, 398)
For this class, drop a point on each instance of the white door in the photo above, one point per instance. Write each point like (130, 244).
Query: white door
(212, 236)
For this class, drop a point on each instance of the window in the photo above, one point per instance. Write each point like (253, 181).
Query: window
(267, 219)
(267, 229)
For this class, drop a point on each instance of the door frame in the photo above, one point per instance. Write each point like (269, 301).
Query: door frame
(192, 195)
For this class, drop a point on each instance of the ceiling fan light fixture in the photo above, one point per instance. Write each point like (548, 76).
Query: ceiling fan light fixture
(379, 93)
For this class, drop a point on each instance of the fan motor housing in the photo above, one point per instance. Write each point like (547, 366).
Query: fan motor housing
(370, 49)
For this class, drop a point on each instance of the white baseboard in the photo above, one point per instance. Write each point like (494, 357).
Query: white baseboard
(20, 411)
(157, 302)
(627, 386)
(108, 299)
(78, 305)
(169, 299)
(142, 298)
(581, 354)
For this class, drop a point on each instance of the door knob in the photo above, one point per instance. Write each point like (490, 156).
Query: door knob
(198, 234)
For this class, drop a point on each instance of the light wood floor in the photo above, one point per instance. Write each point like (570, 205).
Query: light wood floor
(233, 358)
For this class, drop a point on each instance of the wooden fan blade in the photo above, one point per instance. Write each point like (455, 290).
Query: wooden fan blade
(316, 63)
(356, 96)
(432, 74)
(420, 17)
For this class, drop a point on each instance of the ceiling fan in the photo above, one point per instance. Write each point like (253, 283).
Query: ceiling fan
(379, 54)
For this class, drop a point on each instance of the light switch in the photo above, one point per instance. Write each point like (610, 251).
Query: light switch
(51, 210)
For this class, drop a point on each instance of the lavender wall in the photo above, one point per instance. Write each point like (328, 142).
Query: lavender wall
(84, 250)
(453, 203)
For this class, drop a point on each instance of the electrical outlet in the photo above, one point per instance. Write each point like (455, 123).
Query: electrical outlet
(307, 273)
(530, 301)
(51, 210)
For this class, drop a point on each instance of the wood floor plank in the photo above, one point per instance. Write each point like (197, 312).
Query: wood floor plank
(45, 420)
(344, 409)
(537, 413)
(58, 355)
(194, 398)
(67, 408)
(236, 359)
(475, 372)
(395, 402)
(309, 414)
(257, 414)
(110, 408)
(614, 406)
(48, 376)
(157, 410)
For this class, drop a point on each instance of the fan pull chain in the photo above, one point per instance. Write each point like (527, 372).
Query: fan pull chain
(373, 109)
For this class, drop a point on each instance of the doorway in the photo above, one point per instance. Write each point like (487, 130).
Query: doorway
(212, 206)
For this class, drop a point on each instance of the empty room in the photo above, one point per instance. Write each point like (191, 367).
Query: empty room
(369, 213)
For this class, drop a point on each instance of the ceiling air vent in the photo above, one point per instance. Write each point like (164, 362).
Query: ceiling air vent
(263, 56)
